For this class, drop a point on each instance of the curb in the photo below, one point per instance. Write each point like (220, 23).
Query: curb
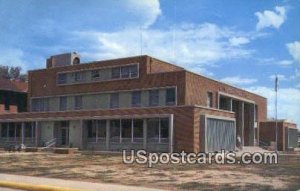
(32, 187)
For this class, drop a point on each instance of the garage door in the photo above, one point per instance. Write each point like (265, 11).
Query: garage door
(292, 138)
(220, 134)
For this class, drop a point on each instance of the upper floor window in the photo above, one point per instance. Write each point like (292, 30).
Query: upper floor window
(78, 102)
(95, 74)
(40, 104)
(79, 76)
(136, 99)
(63, 102)
(62, 78)
(153, 97)
(114, 100)
(115, 73)
(170, 96)
(209, 99)
(129, 71)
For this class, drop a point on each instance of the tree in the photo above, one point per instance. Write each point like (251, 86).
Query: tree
(12, 73)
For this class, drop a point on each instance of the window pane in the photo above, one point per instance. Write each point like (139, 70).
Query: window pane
(62, 78)
(11, 130)
(115, 73)
(115, 130)
(125, 70)
(18, 129)
(28, 130)
(101, 128)
(126, 128)
(136, 99)
(79, 76)
(138, 131)
(4, 130)
(153, 130)
(114, 100)
(164, 128)
(153, 97)
(63, 103)
(78, 102)
(133, 71)
(91, 129)
(95, 74)
(170, 96)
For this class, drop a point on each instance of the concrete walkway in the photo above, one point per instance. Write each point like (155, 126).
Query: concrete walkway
(85, 186)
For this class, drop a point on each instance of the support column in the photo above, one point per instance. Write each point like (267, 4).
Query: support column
(230, 104)
(145, 134)
(171, 133)
(22, 134)
(36, 133)
(96, 125)
(81, 130)
(107, 134)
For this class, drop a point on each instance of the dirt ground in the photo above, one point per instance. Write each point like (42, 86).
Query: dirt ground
(110, 169)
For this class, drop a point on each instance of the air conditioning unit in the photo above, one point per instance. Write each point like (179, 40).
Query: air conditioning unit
(66, 59)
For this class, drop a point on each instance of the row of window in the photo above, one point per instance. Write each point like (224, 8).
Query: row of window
(120, 72)
(130, 130)
(42, 104)
(12, 130)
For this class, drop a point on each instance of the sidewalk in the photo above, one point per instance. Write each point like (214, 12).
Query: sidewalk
(85, 186)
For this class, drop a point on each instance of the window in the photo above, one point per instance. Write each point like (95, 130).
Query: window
(79, 76)
(40, 104)
(78, 102)
(29, 130)
(115, 130)
(129, 71)
(62, 78)
(209, 99)
(101, 125)
(63, 103)
(126, 129)
(136, 99)
(170, 96)
(6, 103)
(114, 100)
(4, 129)
(138, 130)
(11, 130)
(115, 73)
(125, 72)
(18, 129)
(153, 97)
(91, 129)
(95, 74)
(153, 130)
(134, 71)
(164, 130)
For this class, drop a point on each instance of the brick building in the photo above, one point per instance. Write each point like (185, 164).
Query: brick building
(13, 96)
(287, 134)
(132, 103)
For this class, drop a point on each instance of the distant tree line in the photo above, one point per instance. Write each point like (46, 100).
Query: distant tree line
(12, 73)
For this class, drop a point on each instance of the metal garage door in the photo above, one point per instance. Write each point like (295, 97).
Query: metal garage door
(292, 138)
(220, 134)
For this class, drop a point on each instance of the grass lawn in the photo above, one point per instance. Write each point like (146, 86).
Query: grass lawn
(110, 169)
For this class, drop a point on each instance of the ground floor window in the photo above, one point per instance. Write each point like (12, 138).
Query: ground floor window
(115, 130)
(158, 130)
(29, 130)
(13, 130)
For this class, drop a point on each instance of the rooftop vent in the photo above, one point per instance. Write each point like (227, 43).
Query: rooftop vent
(66, 59)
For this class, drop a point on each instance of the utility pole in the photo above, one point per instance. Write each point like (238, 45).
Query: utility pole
(276, 90)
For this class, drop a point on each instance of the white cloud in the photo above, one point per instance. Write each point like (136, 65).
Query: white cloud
(191, 46)
(285, 62)
(288, 102)
(294, 50)
(298, 86)
(237, 41)
(269, 18)
(237, 80)
(147, 10)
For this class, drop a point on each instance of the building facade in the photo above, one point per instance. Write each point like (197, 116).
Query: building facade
(13, 96)
(132, 103)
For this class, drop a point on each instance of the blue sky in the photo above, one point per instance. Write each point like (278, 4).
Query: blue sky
(244, 43)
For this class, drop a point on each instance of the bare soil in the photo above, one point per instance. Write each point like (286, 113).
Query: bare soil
(110, 169)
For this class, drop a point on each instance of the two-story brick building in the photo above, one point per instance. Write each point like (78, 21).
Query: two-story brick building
(132, 103)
